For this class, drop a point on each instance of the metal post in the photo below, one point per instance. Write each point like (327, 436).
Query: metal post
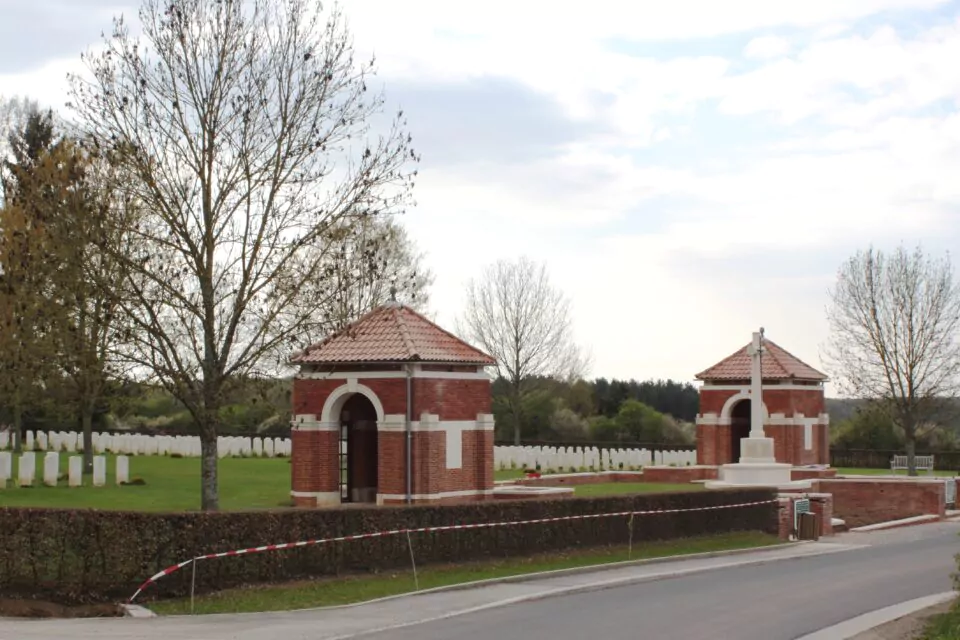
(413, 563)
(409, 434)
(630, 545)
(193, 582)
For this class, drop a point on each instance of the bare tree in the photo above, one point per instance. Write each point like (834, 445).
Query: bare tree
(516, 315)
(245, 124)
(376, 261)
(893, 321)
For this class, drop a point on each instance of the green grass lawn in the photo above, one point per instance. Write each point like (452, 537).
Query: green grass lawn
(329, 592)
(173, 484)
(620, 488)
(850, 471)
(943, 627)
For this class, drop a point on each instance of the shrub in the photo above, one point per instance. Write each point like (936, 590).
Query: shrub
(88, 556)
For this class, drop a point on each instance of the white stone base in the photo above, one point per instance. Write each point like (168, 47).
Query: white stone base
(753, 474)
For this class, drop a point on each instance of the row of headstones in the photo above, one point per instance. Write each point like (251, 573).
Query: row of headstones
(145, 445)
(566, 458)
(27, 469)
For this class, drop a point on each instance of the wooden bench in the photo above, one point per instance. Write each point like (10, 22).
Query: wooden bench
(922, 463)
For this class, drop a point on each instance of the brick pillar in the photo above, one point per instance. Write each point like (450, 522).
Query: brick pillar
(313, 464)
(822, 505)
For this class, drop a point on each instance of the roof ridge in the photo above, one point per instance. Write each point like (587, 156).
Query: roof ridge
(404, 331)
(774, 356)
(444, 331)
(779, 364)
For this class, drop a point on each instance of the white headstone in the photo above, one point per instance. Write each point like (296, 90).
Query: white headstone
(6, 468)
(28, 469)
(28, 441)
(51, 468)
(123, 469)
(4, 439)
(99, 471)
(42, 440)
(75, 471)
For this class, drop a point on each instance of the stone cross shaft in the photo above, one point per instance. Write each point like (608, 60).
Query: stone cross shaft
(756, 387)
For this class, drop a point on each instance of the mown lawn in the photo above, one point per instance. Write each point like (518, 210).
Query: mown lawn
(329, 592)
(173, 484)
(943, 627)
(851, 471)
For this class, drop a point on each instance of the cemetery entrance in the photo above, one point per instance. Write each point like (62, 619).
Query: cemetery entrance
(739, 427)
(358, 450)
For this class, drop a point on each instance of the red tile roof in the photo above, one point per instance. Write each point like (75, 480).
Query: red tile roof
(392, 333)
(777, 363)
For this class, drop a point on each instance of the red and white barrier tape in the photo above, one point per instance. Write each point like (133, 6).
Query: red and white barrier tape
(450, 527)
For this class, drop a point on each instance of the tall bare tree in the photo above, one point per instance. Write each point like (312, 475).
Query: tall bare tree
(516, 314)
(894, 321)
(246, 127)
(376, 261)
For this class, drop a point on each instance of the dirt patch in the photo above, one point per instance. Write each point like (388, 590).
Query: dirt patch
(41, 609)
(906, 628)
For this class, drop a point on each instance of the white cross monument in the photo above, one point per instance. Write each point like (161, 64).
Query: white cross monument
(758, 466)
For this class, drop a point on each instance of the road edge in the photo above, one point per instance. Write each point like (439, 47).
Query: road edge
(519, 578)
(873, 619)
(587, 588)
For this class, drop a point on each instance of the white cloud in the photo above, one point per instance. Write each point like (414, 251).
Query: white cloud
(672, 268)
(766, 47)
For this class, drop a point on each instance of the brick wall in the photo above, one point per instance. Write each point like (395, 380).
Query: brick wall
(310, 470)
(788, 402)
(315, 462)
(451, 399)
(860, 502)
(679, 475)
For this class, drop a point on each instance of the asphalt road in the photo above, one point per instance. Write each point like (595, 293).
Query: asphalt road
(778, 601)
(781, 593)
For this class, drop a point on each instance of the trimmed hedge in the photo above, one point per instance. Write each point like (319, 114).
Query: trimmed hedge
(86, 556)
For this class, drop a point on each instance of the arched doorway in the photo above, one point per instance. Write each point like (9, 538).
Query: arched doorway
(358, 450)
(739, 427)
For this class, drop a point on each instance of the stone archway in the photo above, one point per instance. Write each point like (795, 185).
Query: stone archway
(358, 450)
(739, 427)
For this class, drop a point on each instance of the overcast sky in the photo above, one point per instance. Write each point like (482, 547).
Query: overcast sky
(690, 170)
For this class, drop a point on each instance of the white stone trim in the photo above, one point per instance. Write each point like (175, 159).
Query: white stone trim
(394, 375)
(808, 436)
(454, 448)
(308, 422)
(430, 422)
(767, 386)
(322, 497)
(435, 496)
(335, 401)
(737, 397)
(712, 419)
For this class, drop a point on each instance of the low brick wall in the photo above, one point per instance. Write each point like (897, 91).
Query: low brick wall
(800, 473)
(863, 501)
(578, 479)
(679, 475)
(820, 504)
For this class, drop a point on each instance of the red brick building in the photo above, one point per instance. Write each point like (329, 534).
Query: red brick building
(389, 410)
(793, 408)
